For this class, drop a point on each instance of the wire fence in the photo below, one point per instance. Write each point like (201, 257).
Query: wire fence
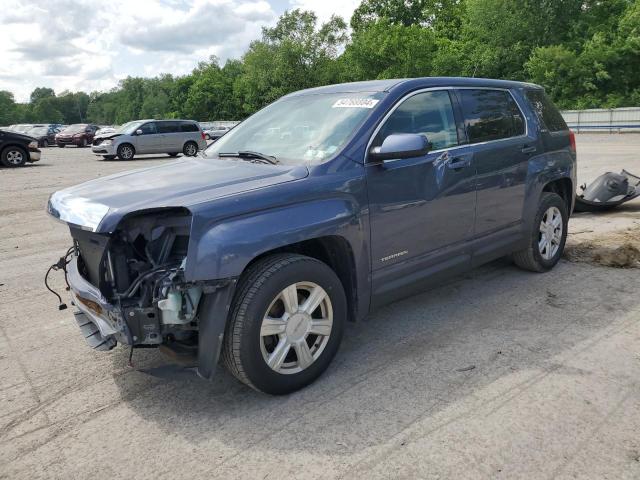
(615, 120)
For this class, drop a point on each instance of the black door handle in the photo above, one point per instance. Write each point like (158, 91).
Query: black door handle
(458, 163)
(529, 149)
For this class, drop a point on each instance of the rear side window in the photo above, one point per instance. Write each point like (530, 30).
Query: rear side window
(490, 115)
(168, 127)
(547, 112)
(188, 127)
(429, 114)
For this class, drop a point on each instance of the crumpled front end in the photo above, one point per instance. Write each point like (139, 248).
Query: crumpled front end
(129, 286)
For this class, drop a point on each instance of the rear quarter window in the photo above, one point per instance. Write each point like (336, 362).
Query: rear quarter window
(547, 113)
(490, 115)
(189, 127)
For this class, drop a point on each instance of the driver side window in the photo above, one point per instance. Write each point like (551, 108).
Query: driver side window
(429, 114)
(148, 128)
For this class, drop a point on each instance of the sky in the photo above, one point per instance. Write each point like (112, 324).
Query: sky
(90, 45)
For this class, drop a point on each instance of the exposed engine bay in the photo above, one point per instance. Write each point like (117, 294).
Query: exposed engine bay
(139, 269)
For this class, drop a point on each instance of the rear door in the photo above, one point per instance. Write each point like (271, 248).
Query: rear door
(171, 137)
(497, 132)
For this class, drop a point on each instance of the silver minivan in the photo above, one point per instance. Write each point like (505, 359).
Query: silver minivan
(151, 136)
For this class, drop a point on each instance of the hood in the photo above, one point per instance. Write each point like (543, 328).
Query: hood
(19, 136)
(98, 205)
(104, 136)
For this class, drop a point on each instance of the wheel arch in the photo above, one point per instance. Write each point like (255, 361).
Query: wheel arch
(564, 188)
(332, 250)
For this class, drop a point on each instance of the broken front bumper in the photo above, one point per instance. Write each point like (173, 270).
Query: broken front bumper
(104, 324)
(92, 306)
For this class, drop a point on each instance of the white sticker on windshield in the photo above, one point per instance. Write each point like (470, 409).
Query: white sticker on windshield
(355, 103)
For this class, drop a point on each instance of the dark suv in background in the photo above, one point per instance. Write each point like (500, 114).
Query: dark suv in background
(78, 134)
(321, 207)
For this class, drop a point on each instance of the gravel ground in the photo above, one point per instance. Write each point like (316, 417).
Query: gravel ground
(497, 374)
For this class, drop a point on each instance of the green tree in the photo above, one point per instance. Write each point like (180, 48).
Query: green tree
(8, 109)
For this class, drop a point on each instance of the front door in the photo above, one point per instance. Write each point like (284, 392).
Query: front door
(149, 141)
(422, 209)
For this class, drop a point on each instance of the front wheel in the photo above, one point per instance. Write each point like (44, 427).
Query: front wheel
(45, 143)
(126, 151)
(13, 157)
(286, 323)
(108, 157)
(546, 242)
(61, 145)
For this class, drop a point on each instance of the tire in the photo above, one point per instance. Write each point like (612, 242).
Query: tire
(190, 149)
(261, 292)
(126, 151)
(83, 143)
(61, 145)
(207, 137)
(13, 157)
(108, 157)
(540, 256)
(45, 143)
(175, 154)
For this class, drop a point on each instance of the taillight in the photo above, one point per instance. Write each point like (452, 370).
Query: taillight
(572, 141)
(202, 134)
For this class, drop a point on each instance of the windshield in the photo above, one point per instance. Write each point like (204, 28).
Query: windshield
(38, 131)
(306, 128)
(129, 127)
(77, 128)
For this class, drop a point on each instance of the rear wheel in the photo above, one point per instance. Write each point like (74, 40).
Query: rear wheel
(45, 143)
(190, 149)
(286, 323)
(548, 237)
(83, 143)
(61, 145)
(174, 154)
(13, 157)
(126, 151)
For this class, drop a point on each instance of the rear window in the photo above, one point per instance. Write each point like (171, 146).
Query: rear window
(490, 115)
(547, 112)
(189, 127)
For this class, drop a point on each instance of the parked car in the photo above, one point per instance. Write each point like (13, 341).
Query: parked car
(78, 134)
(44, 134)
(259, 252)
(215, 133)
(21, 127)
(105, 129)
(151, 136)
(17, 149)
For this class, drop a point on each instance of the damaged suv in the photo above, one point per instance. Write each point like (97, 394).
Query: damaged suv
(316, 210)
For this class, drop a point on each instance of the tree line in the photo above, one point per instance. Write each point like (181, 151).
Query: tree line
(586, 53)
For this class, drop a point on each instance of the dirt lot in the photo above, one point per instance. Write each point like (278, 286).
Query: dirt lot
(498, 374)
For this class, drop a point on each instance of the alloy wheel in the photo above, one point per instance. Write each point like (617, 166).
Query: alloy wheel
(191, 150)
(296, 327)
(550, 236)
(15, 157)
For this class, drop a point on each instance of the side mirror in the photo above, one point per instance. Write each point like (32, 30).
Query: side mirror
(138, 132)
(400, 145)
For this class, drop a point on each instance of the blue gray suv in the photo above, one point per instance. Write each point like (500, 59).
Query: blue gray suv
(314, 211)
